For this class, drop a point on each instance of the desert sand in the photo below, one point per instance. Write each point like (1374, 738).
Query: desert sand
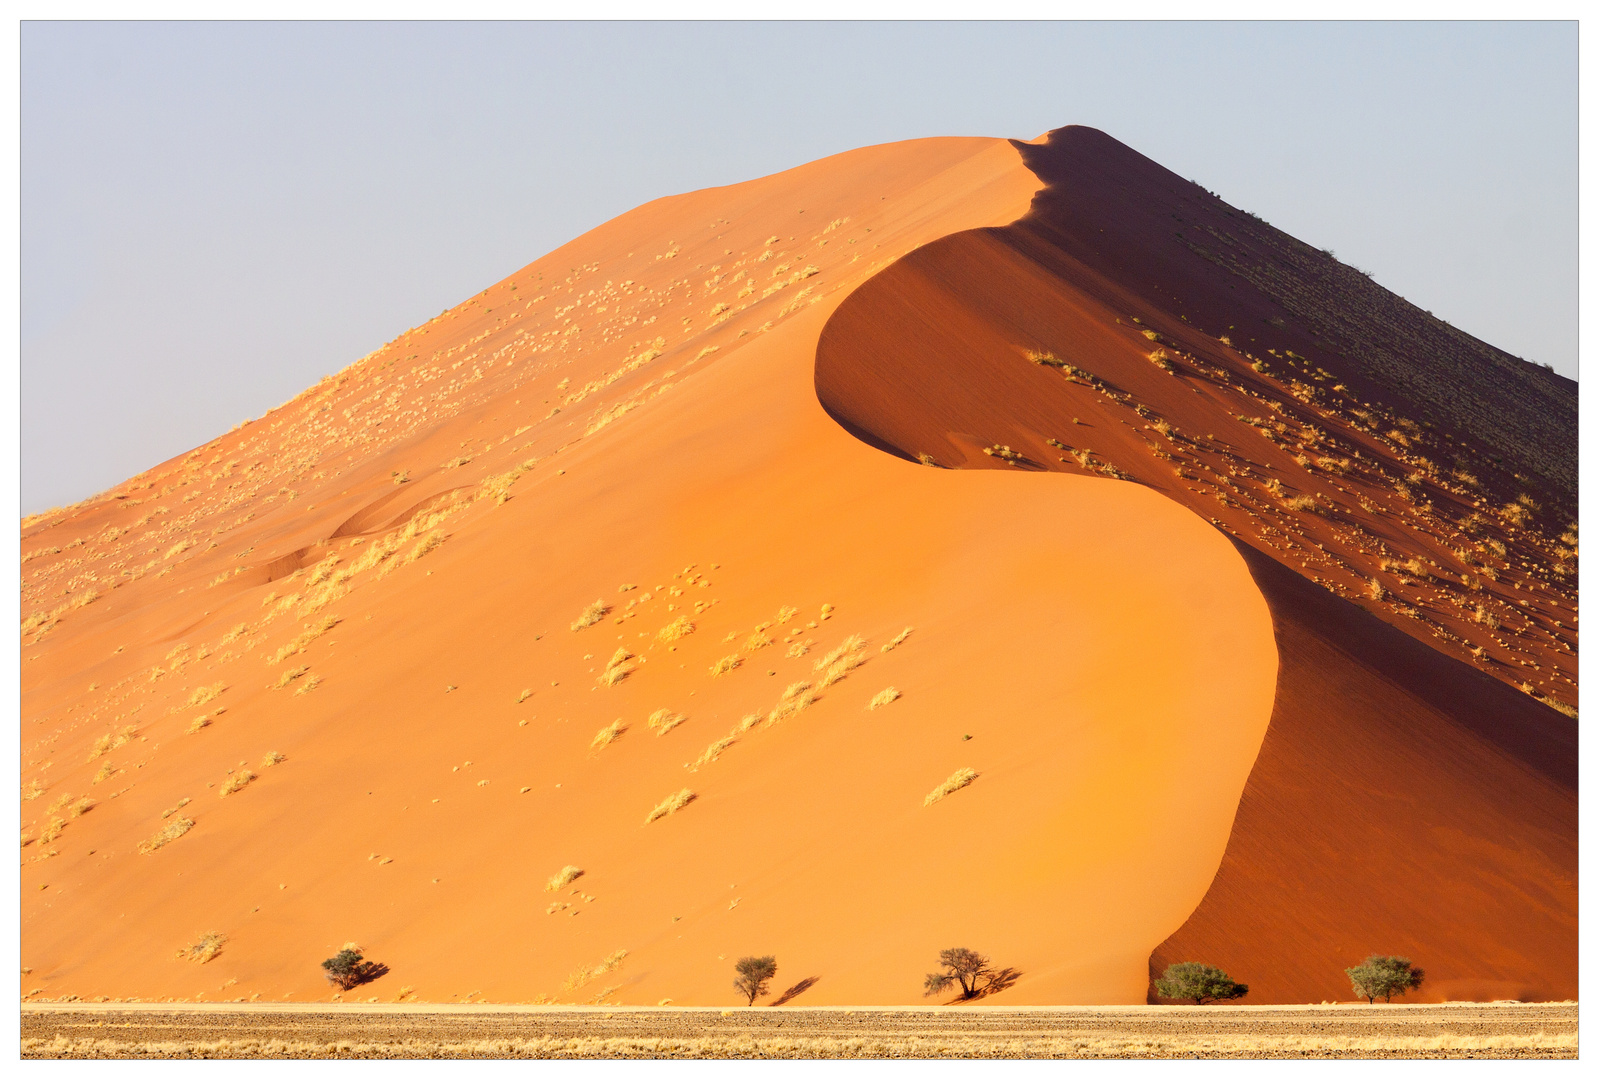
(605, 568)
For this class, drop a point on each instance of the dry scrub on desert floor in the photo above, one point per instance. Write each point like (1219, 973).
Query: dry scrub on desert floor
(739, 1045)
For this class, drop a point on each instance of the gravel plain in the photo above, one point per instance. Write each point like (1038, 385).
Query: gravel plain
(80, 1030)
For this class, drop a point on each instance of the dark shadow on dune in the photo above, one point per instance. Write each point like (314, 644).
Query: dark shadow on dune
(1400, 795)
(796, 990)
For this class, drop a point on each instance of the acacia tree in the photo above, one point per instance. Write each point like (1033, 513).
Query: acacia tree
(1383, 977)
(968, 968)
(1199, 983)
(345, 970)
(754, 972)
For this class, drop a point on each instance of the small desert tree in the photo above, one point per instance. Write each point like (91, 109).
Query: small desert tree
(346, 969)
(754, 972)
(967, 967)
(1199, 983)
(1383, 977)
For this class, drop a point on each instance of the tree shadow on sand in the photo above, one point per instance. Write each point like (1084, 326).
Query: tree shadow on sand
(797, 989)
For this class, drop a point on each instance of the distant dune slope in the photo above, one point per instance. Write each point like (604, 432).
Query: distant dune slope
(1403, 494)
(564, 649)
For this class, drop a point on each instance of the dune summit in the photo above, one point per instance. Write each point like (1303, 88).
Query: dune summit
(610, 626)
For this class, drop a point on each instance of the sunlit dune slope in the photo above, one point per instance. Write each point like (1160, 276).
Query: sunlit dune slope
(1403, 494)
(580, 577)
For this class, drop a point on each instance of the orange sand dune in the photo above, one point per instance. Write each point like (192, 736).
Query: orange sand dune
(1403, 802)
(630, 419)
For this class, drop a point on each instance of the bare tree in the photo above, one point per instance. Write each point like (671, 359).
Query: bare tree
(754, 972)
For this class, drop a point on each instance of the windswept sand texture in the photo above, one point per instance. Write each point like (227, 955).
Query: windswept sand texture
(1413, 795)
(338, 675)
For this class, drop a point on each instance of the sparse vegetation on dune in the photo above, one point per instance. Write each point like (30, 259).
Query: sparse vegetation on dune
(883, 697)
(591, 615)
(958, 779)
(607, 735)
(726, 664)
(678, 628)
(663, 720)
(235, 782)
(204, 950)
(173, 829)
(562, 878)
(898, 639)
(671, 805)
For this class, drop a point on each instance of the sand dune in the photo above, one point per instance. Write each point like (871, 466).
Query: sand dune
(604, 568)
(460, 742)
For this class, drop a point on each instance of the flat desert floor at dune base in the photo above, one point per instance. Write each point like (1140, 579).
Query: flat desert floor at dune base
(425, 1031)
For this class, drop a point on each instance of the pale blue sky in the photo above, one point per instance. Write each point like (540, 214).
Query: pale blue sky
(216, 215)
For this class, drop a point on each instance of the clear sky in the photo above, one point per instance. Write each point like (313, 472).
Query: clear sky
(216, 215)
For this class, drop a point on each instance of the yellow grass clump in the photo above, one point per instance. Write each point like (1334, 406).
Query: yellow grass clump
(899, 639)
(52, 830)
(289, 676)
(957, 780)
(797, 697)
(714, 751)
(235, 782)
(33, 790)
(312, 632)
(81, 807)
(309, 685)
(671, 804)
(617, 668)
(663, 720)
(107, 771)
(205, 949)
(106, 743)
(607, 735)
(199, 723)
(174, 829)
(884, 697)
(583, 976)
(591, 615)
(726, 664)
(563, 877)
(679, 627)
(272, 758)
(206, 693)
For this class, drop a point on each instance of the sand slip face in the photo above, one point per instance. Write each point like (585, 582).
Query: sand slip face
(453, 742)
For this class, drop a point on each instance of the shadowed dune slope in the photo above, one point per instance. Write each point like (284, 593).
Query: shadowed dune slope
(1413, 794)
(535, 653)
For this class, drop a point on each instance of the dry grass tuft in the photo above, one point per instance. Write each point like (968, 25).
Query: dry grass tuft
(591, 615)
(726, 664)
(289, 676)
(205, 949)
(958, 779)
(749, 721)
(52, 830)
(174, 829)
(671, 804)
(237, 782)
(679, 627)
(713, 751)
(884, 697)
(309, 685)
(563, 877)
(81, 807)
(272, 758)
(663, 720)
(206, 693)
(106, 743)
(899, 639)
(797, 697)
(583, 976)
(33, 790)
(199, 723)
(617, 668)
(607, 735)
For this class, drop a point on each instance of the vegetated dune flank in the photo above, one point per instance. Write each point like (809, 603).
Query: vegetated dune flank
(1403, 493)
(533, 658)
